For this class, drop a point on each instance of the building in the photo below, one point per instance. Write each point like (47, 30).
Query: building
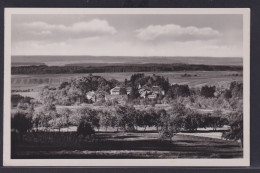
(121, 99)
(158, 90)
(144, 92)
(152, 96)
(128, 90)
(115, 91)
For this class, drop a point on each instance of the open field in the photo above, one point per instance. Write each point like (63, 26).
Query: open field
(109, 145)
(197, 78)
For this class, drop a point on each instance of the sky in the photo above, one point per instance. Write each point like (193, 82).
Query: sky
(213, 35)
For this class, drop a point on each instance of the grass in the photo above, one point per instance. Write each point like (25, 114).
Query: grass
(108, 145)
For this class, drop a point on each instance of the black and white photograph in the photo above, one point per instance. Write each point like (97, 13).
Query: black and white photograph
(126, 87)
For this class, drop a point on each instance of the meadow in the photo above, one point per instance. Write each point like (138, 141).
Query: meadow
(139, 145)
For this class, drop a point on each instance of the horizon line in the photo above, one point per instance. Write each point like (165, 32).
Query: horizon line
(140, 56)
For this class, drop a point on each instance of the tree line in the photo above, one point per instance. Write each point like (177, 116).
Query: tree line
(44, 69)
(124, 118)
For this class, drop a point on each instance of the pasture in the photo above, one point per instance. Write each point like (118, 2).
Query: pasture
(107, 145)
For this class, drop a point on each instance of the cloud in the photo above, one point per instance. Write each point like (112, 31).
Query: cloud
(57, 32)
(176, 32)
(92, 46)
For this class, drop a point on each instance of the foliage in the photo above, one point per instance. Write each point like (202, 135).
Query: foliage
(106, 119)
(236, 127)
(75, 91)
(236, 89)
(125, 118)
(43, 69)
(176, 91)
(134, 93)
(149, 81)
(63, 85)
(85, 128)
(16, 99)
(62, 119)
(90, 116)
(208, 91)
(21, 122)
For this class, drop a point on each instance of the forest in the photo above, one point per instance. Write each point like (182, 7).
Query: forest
(44, 69)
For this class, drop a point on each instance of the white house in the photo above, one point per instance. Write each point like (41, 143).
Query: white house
(115, 91)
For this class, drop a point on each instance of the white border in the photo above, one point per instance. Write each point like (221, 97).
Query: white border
(7, 161)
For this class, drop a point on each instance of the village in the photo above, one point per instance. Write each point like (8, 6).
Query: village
(121, 94)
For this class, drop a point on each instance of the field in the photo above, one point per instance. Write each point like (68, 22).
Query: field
(197, 78)
(126, 145)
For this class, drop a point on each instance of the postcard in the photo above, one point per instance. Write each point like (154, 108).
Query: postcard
(127, 87)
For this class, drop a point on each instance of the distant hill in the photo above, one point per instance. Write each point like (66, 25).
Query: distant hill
(115, 60)
(43, 69)
(17, 64)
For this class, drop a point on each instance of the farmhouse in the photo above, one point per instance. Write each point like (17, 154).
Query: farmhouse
(115, 91)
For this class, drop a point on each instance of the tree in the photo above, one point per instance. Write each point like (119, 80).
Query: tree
(135, 77)
(36, 120)
(47, 96)
(122, 91)
(147, 119)
(21, 122)
(125, 117)
(90, 115)
(171, 124)
(85, 128)
(63, 85)
(46, 114)
(61, 120)
(227, 94)
(155, 118)
(192, 121)
(105, 119)
(134, 93)
(208, 91)
(236, 127)
(236, 89)
(125, 82)
(65, 114)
